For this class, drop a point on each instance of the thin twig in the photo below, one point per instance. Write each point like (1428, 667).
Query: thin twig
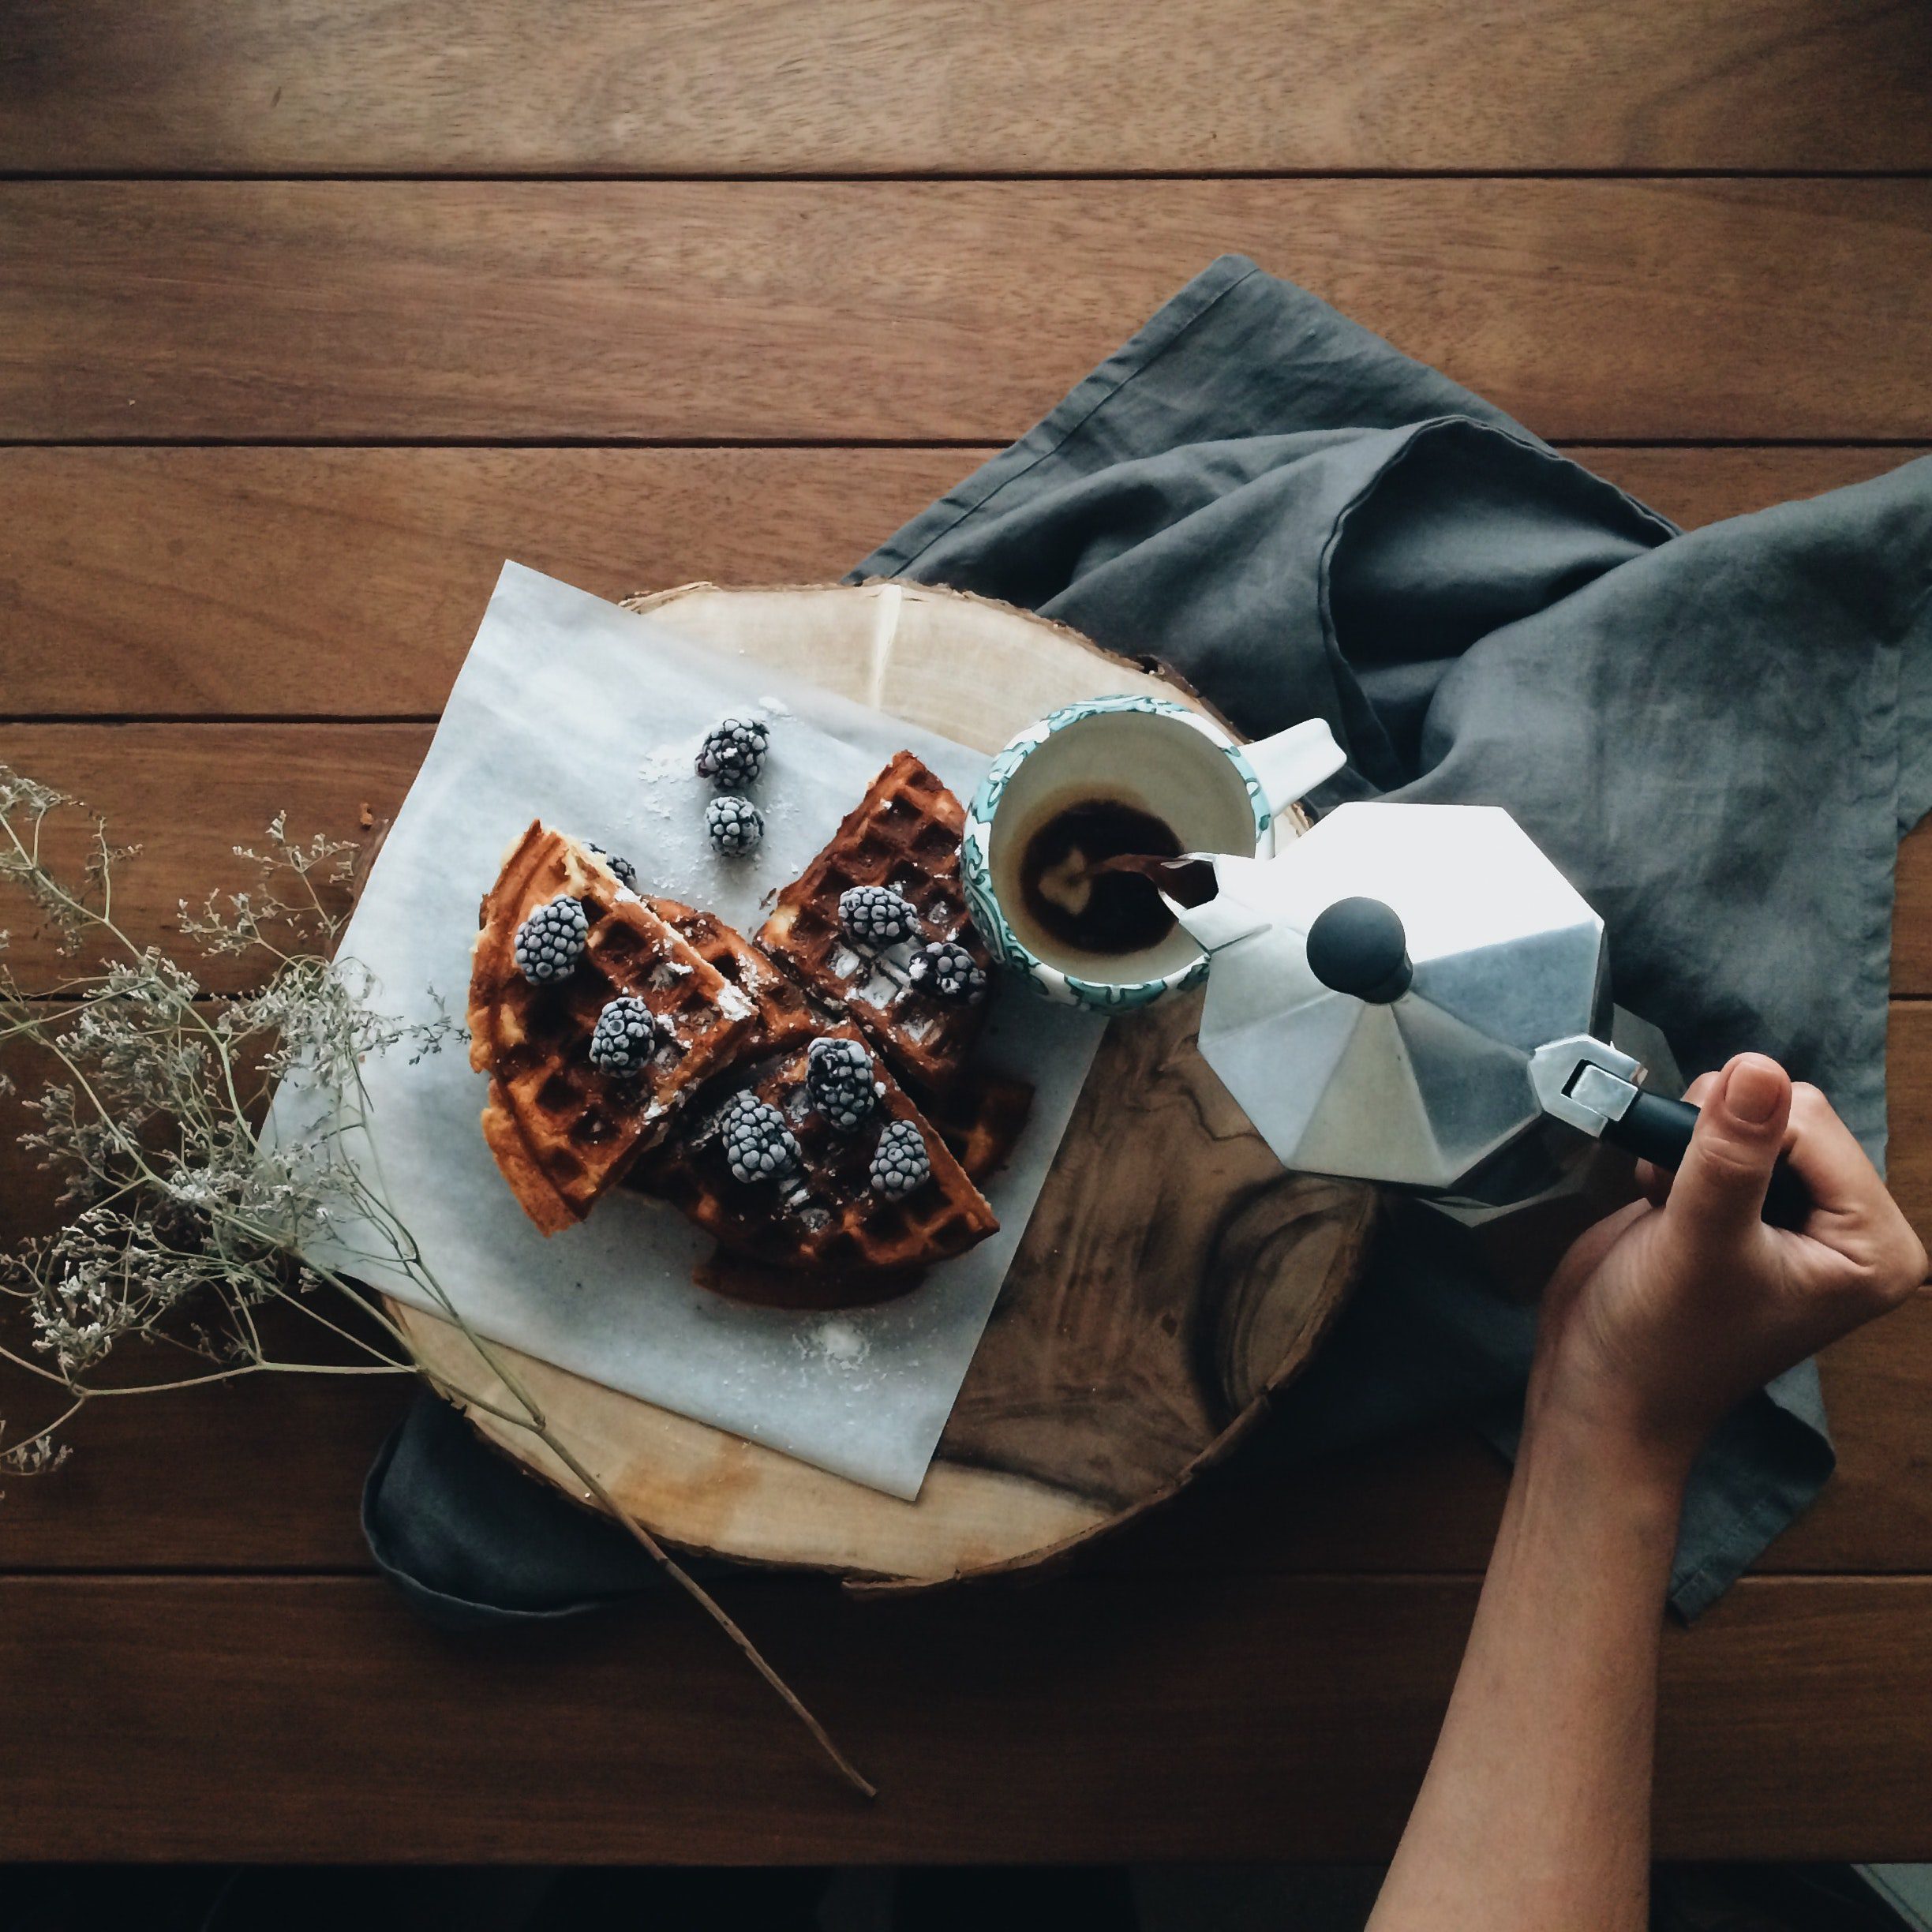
(689, 1584)
(533, 1421)
(91, 1293)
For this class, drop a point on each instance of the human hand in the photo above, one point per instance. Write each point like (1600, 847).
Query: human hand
(1664, 1316)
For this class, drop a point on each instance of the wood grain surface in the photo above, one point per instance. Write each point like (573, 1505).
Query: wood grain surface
(348, 582)
(418, 377)
(1618, 310)
(153, 1485)
(1106, 1717)
(1135, 86)
(190, 792)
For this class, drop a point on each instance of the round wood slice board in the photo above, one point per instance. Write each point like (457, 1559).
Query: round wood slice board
(1172, 1277)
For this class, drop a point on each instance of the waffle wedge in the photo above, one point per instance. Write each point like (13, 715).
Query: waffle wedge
(562, 1131)
(903, 835)
(783, 1017)
(826, 1220)
(980, 1116)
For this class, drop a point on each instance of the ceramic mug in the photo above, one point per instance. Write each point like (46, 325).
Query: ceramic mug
(1160, 757)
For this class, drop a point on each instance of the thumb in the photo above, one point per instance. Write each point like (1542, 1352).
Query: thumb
(1717, 1197)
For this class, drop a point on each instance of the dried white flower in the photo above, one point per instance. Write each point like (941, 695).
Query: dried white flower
(35, 1456)
(186, 1223)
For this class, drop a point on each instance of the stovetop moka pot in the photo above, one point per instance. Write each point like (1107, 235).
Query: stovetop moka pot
(1415, 994)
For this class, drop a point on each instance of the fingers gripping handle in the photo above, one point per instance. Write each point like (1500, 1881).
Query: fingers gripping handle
(1659, 1130)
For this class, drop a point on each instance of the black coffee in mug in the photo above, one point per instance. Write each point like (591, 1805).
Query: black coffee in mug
(1067, 844)
(1076, 890)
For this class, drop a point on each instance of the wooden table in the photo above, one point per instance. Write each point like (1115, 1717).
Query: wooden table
(310, 314)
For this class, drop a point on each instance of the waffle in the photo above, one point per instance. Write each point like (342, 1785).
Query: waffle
(904, 834)
(561, 1130)
(981, 1116)
(785, 1016)
(826, 1221)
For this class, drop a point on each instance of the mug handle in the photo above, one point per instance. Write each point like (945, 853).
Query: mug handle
(1293, 762)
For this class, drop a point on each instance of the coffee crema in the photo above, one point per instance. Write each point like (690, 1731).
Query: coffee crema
(1077, 890)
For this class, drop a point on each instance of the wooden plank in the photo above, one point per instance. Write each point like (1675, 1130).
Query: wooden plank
(1153, 86)
(260, 1473)
(191, 793)
(921, 311)
(349, 581)
(1103, 1719)
(264, 1475)
(1911, 915)
(153, 1485)
(195, 792)
(1696, 486)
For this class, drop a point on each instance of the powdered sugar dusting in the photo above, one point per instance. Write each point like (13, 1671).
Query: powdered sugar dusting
(839, 1341)
(675, 762)
(640, 698)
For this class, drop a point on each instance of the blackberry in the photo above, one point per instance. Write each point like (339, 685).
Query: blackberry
(626, 872)
(899, 1162)
(838, 1075)
(875, 915)
(947, 968)
(624, 1037)
(733, 753)
(734, 825)
(551, 941)
(758, 1146)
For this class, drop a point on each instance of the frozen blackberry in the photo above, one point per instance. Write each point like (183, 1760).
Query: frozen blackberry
(626, 872)
(551, 941)
(899, 1162)
(734, 753)
(624, 1037)
(875, 915)
(947, 968)
(734, 825)
(757, 1145)
(839, 1077)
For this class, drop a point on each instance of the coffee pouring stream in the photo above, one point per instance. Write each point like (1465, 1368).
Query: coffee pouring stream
(1415, 994)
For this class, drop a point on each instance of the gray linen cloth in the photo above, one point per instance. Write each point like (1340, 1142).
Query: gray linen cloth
(1720, 737)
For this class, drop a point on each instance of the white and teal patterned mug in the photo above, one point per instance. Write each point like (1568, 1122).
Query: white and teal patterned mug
(1157, 757)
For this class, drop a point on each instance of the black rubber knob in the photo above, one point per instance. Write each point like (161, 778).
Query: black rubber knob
(1358, 946)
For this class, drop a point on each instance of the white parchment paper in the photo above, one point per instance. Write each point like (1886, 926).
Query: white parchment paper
(588, 717)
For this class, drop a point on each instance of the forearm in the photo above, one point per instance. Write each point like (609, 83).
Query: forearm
(1535, 1811)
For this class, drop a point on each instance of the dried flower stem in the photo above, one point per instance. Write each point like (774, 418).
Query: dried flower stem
(185, 1221)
